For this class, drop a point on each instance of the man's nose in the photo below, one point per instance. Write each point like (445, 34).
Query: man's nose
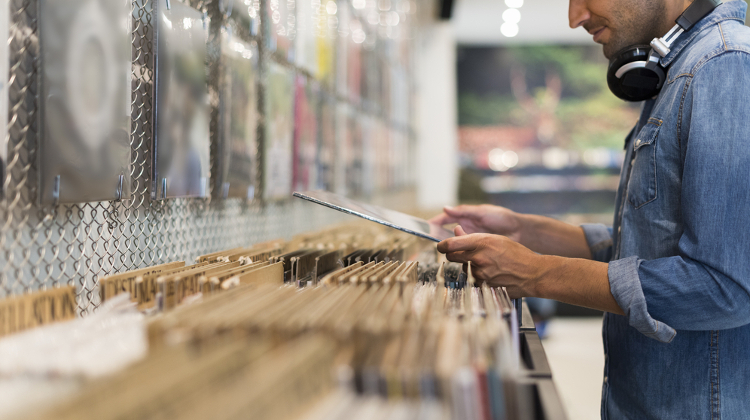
(578, 13)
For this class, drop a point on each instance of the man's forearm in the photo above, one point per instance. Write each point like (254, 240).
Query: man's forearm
(575, 281)
(553, 237)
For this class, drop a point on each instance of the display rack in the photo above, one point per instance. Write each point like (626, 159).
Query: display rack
(62, 244)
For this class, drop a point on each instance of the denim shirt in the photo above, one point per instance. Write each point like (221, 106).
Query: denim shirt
(679, 250)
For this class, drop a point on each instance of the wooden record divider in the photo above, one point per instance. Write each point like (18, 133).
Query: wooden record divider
(20, 313)
(214, 256)
(113, 285)
(354, 277)
(146, 288)
(211, 284)
(176, 286)
(333, 279)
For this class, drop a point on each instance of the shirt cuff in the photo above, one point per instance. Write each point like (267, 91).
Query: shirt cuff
(599, 238)
(625, 286)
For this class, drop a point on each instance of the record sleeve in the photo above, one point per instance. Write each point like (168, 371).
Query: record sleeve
(391, 218)
(237, 144)
(304, 171)
(279, 105)
(84, 142)
(181, 142)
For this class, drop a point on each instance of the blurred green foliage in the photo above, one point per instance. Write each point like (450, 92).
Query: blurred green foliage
(587, 114)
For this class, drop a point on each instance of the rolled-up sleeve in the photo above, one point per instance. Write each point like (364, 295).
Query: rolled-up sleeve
(599, 238)
(706, 286)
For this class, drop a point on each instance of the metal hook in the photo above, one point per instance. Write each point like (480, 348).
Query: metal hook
(56, 190)
(164, 188)
(118, 192)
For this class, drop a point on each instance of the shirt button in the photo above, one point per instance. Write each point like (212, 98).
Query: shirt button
(619, 229)
(638, 142)
(606, 379)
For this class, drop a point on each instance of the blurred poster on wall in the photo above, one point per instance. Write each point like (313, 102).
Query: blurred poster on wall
(305, 45)
(305, 169)
(278, 157)
(181, 149)
(281, 27)
(368, 132)
(327, 156)
(237, 146)
(244, 16)
(84, 149)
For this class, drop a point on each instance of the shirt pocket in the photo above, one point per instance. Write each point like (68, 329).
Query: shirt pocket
(642, 186)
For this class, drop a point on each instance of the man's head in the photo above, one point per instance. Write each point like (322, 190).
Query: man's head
(617, 24)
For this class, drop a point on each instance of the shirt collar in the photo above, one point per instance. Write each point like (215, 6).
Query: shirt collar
(732, 10)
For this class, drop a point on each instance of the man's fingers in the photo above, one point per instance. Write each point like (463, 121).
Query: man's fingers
(459, 243)
(459, 231)
(458, 257)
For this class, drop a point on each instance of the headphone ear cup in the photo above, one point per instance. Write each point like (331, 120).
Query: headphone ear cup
(635, 82)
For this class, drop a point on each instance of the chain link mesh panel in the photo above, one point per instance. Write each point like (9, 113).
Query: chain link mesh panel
(78, 244)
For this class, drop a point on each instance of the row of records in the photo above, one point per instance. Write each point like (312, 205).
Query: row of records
(89, 150)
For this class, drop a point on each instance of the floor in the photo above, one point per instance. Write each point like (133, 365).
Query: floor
(574, 351)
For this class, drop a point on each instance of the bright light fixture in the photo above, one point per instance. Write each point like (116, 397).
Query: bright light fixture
(509, 29)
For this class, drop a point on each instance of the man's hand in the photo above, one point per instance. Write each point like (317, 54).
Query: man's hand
(484, 218)
(496, 260)
(500, 261)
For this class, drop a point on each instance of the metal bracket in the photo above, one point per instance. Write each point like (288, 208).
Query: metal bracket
(169, 6)
(56, 191)
(164, 188)
(118, 192)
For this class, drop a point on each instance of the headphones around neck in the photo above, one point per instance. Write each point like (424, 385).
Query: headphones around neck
(635, 73)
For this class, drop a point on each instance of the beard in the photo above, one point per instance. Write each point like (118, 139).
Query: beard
(638, 22)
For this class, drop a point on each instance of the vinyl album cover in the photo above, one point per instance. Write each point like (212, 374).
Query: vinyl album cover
(327, 156)
(181, 146)
(352, 151)
(279, 134)
(237, 144)
(305, 45)
(281, 27)
(84, 143)
(304, 171)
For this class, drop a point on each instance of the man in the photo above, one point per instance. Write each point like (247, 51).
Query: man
(673, 274)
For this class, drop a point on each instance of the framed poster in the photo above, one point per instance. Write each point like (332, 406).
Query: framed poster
(327, 156)
(181, 115)
(279, 133)
(236, 131)
(244, 15)
(84, 142)
(305, 169)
